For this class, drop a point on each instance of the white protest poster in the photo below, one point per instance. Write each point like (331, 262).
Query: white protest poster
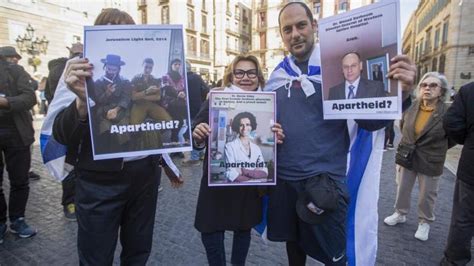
(137, 97)
(242, 147)
(356, 48)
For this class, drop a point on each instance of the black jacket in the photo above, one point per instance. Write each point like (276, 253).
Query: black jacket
(21, 97)
(459, 125)
(197, 92)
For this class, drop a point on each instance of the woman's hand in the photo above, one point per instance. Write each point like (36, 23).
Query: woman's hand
(176, 181)
(77, 70)
(201, 132)
(276, 128)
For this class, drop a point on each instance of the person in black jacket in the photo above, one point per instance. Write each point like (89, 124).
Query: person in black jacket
(111, 195)
(459, 125)
(16, 136)
(197, 93)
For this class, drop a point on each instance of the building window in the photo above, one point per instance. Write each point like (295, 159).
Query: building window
(203, 5)
(76, 38)
(245, 19)
(416, 51)
(165, 15)
(442, 62)
(204, 23)
(436, 38)
(428, 42)
(190, 19)
(143, 16)
(262, 19)
(445, 32)
(237, 12)
(205, 49)
(342, 6)
(263, 40)
(471, 50)
(227, 42)
(434, 64)
(317, 8)
(191, 43)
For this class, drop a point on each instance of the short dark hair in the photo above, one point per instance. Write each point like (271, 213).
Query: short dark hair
(303, 5)
(236, 121)
(148, 61)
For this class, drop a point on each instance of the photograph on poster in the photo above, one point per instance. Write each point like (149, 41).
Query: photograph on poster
(242, 145)
(137, 97)
(355, 51)
(377, 69)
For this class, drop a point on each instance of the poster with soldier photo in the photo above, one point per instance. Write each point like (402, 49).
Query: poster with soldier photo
(242, 147)
(137, 97)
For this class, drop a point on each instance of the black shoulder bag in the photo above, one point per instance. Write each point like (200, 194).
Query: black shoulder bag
(404, 156)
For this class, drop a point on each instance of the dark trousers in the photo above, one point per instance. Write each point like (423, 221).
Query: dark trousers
(389, 134)
(215, 251)
(109, 201)
(461, 230)
(17, 159)
(69, 188)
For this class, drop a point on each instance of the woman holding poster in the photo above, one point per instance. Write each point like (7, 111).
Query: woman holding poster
(236, 208)
(243, 150)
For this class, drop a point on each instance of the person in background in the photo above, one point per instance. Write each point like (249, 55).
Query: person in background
(197, 93)
(16, 136)
(221, 209)
(10, 55)
(459, 125)
(422, 126)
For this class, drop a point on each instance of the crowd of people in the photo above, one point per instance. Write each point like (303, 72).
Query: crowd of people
(117, 198)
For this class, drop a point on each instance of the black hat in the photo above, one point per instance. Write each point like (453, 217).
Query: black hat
(318, 199)
(112, 59)
(9, 51)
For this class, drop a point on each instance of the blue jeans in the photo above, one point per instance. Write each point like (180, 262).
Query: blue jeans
(215, 251)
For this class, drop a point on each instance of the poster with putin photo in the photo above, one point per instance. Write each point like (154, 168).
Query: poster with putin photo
(356, 48)
(137, 97)
(242, 146)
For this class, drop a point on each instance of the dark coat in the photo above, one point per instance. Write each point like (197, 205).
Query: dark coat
(224, 208)
(56, 68)
(431, 144)
(197, 92)
(459, 125)
(367, 89)
(21, 98)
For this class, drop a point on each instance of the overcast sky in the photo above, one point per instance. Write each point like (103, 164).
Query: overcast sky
(406, 9)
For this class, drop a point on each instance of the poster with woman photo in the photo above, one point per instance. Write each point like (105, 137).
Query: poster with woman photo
(242, 146)
(137, 97)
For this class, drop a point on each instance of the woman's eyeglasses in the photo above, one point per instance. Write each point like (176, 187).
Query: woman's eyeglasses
(431, 85)
(251, 73)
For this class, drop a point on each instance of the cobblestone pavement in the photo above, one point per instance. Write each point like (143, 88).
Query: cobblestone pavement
(176, 242)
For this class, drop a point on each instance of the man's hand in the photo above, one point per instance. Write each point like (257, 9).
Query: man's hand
(152, 90)
(112, 113)
(181, 95)
(110, 89)
(276, 128)
(404, 70)
(201, 132)
(4, 103)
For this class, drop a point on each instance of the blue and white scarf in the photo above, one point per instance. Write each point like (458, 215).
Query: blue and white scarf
(286, 72)
(53, 152)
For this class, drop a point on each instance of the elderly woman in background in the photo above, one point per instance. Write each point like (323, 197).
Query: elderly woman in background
(221, 209)
(422, 130)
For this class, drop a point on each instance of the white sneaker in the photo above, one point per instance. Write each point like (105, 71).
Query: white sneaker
(395, 218)
(422, 232)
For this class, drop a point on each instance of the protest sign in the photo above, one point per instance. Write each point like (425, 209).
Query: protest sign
(356, 47)
(137, 97)
(242, 147)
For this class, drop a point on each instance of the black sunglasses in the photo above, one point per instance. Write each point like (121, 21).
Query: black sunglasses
(251, 73)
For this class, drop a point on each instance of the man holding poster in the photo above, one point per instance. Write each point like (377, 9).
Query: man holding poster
(319, 157)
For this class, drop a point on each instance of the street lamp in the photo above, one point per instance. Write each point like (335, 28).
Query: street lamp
(32, 45)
